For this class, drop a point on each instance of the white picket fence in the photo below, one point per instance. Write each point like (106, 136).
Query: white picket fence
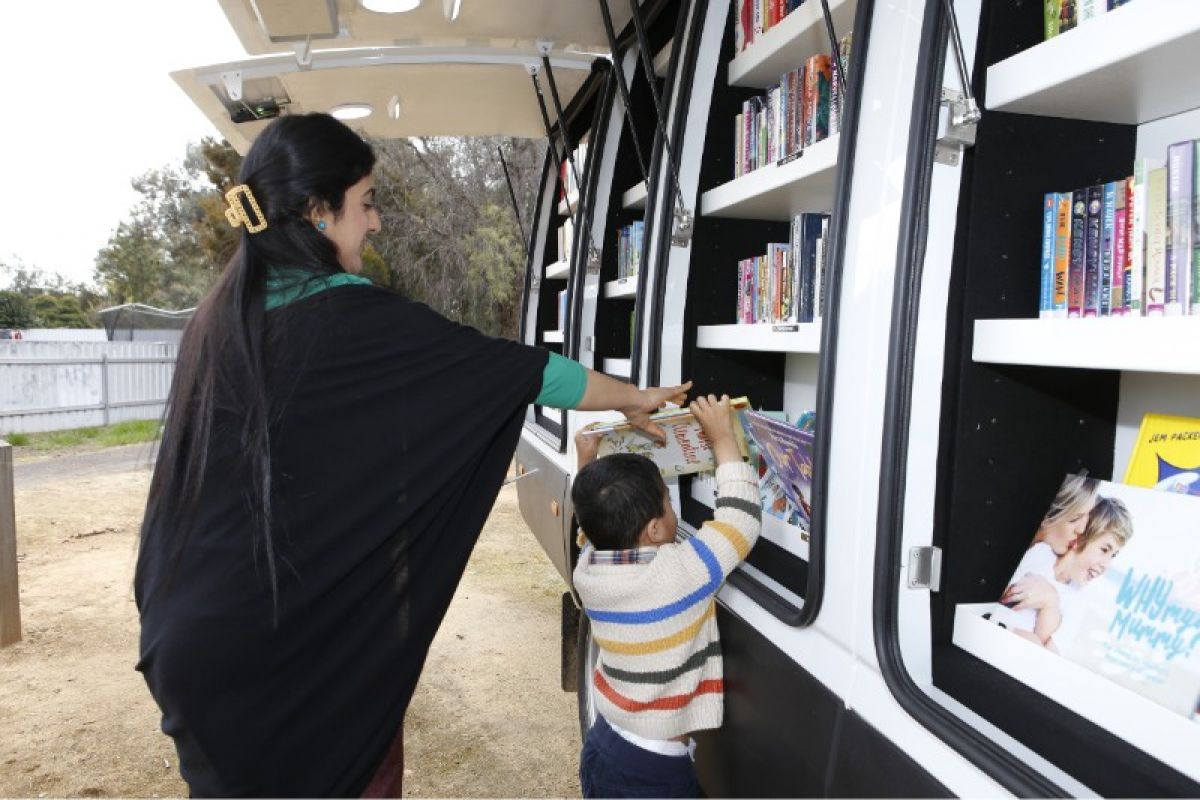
(49, 386)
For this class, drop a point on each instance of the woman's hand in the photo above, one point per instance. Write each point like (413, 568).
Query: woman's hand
(1032, 591)
(650, 400)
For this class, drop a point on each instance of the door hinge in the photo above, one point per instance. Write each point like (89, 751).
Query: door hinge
(681, 231)
(925, 568)
(957, 121)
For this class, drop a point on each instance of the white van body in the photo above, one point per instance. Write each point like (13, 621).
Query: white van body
(939, 417)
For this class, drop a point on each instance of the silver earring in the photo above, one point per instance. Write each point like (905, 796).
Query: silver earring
(321, 225)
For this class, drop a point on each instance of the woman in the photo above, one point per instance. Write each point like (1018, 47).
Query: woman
(330, 454)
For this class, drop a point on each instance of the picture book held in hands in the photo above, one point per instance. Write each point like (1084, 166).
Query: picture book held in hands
(686, 449)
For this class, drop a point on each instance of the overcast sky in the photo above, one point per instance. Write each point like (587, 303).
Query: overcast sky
(88, 105)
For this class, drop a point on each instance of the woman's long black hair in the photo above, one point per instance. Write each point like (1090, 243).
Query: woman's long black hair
(298, 163)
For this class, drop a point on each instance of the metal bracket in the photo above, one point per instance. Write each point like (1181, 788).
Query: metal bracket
(925, 568)
(681, 231)
(589, 344)
(593, 259)
(233, 83)
(303, 52)
(957, 122)
(535, 282)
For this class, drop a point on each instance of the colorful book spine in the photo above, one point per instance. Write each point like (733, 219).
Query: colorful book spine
(1067, 16)
(1120, 257)
(1194, 299)
(1136, 282)
(1075, 282)
(1051, 9)
(1179, 228)
(822, 262)
(1091, 10)
(1049, 220)
(1108, 210)
(1092, 257)
(816, 98)
(1062, 253)
(1156, 241)
(1130, 304)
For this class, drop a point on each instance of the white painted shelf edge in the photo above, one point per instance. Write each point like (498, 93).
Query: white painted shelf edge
(559, 269)
(626, 287)
(1116, 68)
(634, 198)
(785, 47)
(1168, 736)
(553, 337)
(818, 163)
(779, 337)
(1132, 344)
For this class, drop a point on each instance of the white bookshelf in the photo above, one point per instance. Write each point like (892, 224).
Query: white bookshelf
(1169, 737)
(799, 35)
(663, 59)
(558, 270)
(634, 198)
(552, 337)
(1132, 65)
(782, 337)
(618, 367)
(625, 287)
(777, 192)
(1134, 344)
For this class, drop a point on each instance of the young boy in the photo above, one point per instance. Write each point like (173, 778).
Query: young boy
(1044, 586)
(651, 604)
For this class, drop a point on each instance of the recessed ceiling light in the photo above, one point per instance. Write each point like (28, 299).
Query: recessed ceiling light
(352, 111)
(390, 6)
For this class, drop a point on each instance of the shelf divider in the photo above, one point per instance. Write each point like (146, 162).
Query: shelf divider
(777, 192)
(621, 288)
(1133, 344)
(778, 337)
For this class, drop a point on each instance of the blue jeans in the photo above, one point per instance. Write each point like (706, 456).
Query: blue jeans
(613, 767)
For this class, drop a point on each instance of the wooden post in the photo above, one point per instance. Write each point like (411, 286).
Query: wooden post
(10, 599)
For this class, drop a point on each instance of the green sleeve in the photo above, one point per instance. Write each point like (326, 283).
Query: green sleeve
(563, 383)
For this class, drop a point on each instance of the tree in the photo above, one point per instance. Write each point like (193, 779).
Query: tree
(58, 311)
(15, 311)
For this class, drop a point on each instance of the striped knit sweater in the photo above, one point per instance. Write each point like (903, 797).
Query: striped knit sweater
(659, 673)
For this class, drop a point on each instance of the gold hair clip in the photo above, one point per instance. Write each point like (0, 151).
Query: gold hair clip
(236, 213)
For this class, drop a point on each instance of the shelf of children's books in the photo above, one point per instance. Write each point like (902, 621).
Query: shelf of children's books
(1133, 344)
(792, 538)
(558, 270)
(567, 205)
(634, 198)
(617, 367)
(1170, 737)
(552, 337)
(1126, 66)
(776, 192)
(625, 287)
(779, 337)
(663, 59)
(784, 47)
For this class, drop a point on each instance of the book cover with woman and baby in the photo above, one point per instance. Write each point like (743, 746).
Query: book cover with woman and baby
(1111, 581)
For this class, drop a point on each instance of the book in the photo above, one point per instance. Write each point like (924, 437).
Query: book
(1062, 253)
(1166, 454)
(1194, 300)
(1076, 269)
(1125, 586)
(1091, 10)
(788, 453)
(1067, 17)
(1049, 220)
(686, 449)
(1179, 228)
(816, 98)
(1120, 257)
(1129, 303)
(1107, 234)
(1092, 255)
(1156, 241)
(1136, 282)
(1051, 9)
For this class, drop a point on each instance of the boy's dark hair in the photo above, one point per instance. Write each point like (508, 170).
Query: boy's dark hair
(615, 497)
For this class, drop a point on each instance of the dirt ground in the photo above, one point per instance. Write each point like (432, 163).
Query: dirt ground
(488, 719)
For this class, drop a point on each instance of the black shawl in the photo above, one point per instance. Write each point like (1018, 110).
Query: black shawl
(393, 434)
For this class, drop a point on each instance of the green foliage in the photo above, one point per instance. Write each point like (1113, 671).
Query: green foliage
(15, 311)
(176, 240)
(129, 432)
(58, 311)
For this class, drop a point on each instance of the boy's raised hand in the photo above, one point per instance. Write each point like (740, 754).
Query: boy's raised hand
(717, 422)
(586, 446)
